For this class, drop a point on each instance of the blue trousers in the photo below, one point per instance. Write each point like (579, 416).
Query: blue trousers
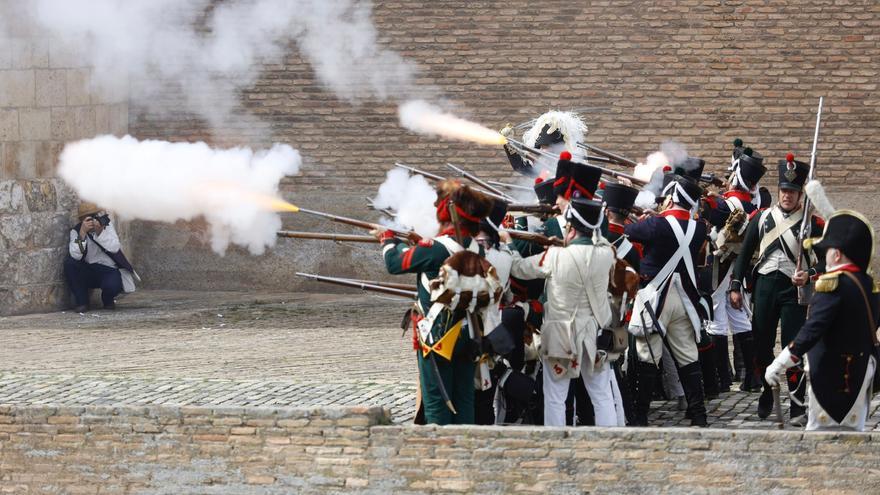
(82, 276)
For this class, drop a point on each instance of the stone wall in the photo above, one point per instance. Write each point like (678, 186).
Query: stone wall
(138, 450)
(702, 72)
(46, 100)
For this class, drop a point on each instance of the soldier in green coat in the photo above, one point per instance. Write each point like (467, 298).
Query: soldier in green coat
(444, 349)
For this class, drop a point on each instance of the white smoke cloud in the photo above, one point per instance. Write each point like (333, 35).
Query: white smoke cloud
(210, 51)
(161, 181)
(671, 153)
(675, 152)
(412, 198)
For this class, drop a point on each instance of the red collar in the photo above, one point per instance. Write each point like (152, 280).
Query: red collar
(677, 214)
(451, 232)
(740, 195)
(849, 267)
(616, 228)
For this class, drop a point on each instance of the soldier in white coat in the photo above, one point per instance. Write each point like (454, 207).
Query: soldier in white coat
(577, 307)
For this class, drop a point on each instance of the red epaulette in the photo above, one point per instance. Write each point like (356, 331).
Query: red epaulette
(819, 221)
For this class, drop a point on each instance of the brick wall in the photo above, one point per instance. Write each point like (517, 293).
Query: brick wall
(132, 450)
(701, 72)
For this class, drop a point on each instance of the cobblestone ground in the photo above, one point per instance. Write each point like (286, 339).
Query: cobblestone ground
(233, 349)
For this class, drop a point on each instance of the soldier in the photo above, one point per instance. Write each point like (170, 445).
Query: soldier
(619, 200)
(666, 308)
(839, 337)
(773, 234)
(553, 132)
(729, 215)
(447, 371)
(577, 306)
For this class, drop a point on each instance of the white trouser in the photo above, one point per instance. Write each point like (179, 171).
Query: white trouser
(618, 400)
(598, 385)
(728, 320)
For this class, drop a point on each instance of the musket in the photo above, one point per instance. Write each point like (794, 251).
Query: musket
(362, 224)
(805, 292)
(393, 285)
(495, 192)
(409, 294)
(537, 208)
(622, 160)
(326, 236)
(385, 211)
(777, 407)
(438, 178)
(509, 186)
(427, 175)
(525, 235)
(713, 180)
(533, 153)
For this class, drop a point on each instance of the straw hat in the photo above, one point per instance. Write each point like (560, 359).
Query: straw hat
(87, 209)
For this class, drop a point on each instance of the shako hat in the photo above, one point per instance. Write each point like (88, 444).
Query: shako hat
(793, 173)
(584, 181)
(619, 197)
(584, 214)
(691, 167)
(749, 168)
(544, 191)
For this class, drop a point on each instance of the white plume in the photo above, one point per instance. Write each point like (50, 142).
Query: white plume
(166, 182)
(820, 200)
(569, 124)
(412, 198)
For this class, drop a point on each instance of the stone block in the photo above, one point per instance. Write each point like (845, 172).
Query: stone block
(9, 125)
(12, 199)
(78, 83)
(34, 124)
(40, 195)
(51, 88)
(47, 158)
(16, 88)
(18, 159)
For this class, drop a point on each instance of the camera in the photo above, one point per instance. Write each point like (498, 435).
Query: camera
(104, 219)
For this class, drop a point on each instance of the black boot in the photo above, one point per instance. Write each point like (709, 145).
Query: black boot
(645, 379)
(739, 370)
(797, 389)
(751, 381)
(708, 368)
(722, 363)
(692, 382)
(765, 402)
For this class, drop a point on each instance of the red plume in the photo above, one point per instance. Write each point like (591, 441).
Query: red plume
(789, 157)
(565, 155)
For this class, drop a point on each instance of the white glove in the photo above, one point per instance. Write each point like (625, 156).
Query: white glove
(776, 371)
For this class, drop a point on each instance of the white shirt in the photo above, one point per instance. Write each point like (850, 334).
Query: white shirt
(93, 253)
(777, 260)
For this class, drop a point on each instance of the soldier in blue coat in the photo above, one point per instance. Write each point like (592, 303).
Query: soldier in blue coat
(839, 337)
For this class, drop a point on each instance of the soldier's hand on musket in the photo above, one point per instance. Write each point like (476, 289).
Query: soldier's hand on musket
(736, 300)
(381, 234)
(800, 278)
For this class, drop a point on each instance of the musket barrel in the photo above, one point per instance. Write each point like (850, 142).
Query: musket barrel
(509, 186)
(476, 180)
(416, 171)
(359, 285)
(325, 236)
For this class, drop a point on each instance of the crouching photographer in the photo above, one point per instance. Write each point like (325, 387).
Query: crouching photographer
(96, 260)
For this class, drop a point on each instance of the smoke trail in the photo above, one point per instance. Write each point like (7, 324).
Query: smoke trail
(211, 50)
(422, 117)
(671, 153)
(161, 181)
(413, 200)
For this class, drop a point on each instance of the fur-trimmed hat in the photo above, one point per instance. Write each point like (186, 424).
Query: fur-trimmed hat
(470, 206)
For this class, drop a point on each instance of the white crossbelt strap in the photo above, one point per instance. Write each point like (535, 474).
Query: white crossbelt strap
(734, 204)
(781, 230)
(623, 247)
(682, 253)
